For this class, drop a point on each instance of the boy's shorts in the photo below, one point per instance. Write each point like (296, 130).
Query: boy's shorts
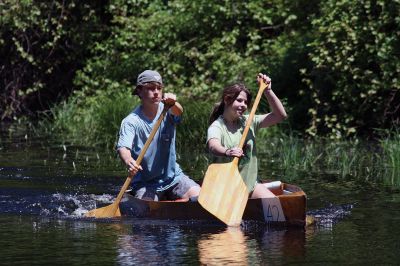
(177, 191)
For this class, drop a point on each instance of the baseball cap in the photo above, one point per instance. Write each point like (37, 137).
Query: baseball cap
(146, 77)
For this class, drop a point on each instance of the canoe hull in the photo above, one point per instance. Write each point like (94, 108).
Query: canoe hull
(291, 198)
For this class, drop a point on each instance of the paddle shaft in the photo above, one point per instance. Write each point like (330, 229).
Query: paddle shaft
(142, 153)
(250, 119)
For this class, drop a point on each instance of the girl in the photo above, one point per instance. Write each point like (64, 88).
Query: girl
(227, 122)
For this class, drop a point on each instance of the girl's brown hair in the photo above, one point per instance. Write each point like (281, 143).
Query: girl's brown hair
(229, 95)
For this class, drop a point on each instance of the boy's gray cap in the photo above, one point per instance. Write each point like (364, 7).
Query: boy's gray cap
(148, 76)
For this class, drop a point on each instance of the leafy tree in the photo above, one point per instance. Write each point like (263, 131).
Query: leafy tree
(42, 44)
(198, 46)
(355, 77)
(334, 63)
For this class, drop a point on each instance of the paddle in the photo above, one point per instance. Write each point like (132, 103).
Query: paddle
(112, 210)
(223, 192)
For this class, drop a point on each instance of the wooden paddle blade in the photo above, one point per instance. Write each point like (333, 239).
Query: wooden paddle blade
(223, 193)
(109, 211)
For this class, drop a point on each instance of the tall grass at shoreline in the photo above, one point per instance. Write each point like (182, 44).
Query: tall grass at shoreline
(391, 157)
(349, 158)
(96, 123)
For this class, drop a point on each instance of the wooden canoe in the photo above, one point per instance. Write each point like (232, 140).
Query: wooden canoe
(287, 208)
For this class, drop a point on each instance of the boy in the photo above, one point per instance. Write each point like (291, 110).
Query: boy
(159, 176)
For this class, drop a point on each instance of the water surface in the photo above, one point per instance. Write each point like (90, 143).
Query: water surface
(45, 187)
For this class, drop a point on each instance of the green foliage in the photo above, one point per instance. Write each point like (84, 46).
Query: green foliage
(41, 46)
(90, 120)
(193, 127)
(347, 159)
(355, 78)
(198, 46)
(335, 64)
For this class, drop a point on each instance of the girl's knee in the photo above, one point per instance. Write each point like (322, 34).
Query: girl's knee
(192, 192)
(260, 191)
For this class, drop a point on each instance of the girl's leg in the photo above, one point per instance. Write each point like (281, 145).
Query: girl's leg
(260, 191)
(194, 191)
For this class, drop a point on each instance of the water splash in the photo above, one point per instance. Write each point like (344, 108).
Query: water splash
(330, 215)
(78, 205)
(40, 203)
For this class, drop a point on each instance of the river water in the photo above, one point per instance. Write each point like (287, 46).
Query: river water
(46, 187)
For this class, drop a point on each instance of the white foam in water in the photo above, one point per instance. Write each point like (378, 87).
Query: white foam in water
(61, 211)
(105, 198)
(78, 205)
(81, 211)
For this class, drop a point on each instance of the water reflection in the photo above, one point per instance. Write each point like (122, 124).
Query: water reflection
(151, 242)
(226, 247)
(28, 240)
(286, 244)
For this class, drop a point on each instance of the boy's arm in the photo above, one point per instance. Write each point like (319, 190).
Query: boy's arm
(126, 157)
(177, 109)
(170, 99)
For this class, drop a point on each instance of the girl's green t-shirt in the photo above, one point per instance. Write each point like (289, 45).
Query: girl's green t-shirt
(248, 165)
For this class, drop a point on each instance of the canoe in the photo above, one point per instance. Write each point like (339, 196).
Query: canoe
(287, 208)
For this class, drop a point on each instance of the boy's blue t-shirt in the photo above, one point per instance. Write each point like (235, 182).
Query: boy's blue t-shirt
(160, 169)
